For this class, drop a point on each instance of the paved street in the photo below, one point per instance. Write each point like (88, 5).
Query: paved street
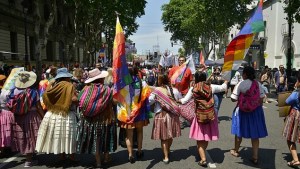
(273, 153)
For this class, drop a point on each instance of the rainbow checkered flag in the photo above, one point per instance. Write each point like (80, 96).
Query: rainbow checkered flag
(239, 46)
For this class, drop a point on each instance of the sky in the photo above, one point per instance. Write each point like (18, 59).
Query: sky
(151, 30)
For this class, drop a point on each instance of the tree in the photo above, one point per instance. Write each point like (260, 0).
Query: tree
(98, 17)
(292, 9)
(209, 19)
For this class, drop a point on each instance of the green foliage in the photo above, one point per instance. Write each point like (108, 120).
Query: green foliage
(292, 9)
(187, 20)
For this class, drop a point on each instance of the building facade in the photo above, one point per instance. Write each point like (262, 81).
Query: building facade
(60, 48)
(270, 46)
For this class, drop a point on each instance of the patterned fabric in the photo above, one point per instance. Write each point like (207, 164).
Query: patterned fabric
(204, 101)
(21, 103)
(187, 110)
(239, 46)
(94, 99)
(7, 120)
(291, 126)
(165, 126)
(166, 103)
(97, 133)
(42, 88)
(25, 131)
(249, 101)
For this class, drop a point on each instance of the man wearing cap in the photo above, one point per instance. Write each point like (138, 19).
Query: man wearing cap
(97, 117)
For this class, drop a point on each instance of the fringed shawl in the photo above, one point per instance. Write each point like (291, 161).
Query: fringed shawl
(58, 99)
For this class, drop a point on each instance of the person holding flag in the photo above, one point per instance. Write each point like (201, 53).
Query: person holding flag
(181, 76)
(130, 94)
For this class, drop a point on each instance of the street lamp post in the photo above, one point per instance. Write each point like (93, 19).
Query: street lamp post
(25, 10)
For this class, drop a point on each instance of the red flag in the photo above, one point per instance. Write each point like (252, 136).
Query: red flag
(201, 59)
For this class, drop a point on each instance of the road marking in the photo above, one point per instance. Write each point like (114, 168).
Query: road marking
(211, 163)
(7, 161)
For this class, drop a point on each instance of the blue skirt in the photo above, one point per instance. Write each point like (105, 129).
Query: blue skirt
(249, 124)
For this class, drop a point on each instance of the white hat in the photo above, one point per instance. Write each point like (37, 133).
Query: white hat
(96, 74)
(25, 79)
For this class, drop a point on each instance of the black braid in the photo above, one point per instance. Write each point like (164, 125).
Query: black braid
(171, 91)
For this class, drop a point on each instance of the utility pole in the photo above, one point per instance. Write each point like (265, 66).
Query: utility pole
(289, 52)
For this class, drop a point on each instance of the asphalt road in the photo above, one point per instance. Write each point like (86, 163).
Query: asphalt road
(273, 151)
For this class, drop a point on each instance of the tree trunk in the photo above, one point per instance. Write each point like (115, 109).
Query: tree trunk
(37, 24)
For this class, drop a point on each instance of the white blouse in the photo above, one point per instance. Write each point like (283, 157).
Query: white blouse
(157, 107)
(215, 89)
(243, 86)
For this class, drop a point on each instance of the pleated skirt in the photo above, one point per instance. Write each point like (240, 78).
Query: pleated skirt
(93, 136)
(165, 126)
(291, 126)
(57, 134)
(7, 120)
(25, 131)
(204, 132)
(249, 124)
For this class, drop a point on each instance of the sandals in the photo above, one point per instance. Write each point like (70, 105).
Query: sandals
(293, 163)
(202, 163)
(234, 153)
(255, 161)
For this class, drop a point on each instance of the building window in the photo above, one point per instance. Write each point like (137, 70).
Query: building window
(49, 51)
(14, 45)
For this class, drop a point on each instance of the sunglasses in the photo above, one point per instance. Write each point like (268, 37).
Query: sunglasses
(181, 60)
(281, 68)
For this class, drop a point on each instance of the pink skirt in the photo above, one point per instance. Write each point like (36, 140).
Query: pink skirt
(165, 126)
(25, 131)
(204, 132)
(7, 120)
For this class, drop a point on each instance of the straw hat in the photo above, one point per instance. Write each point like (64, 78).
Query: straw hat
(62, 72)
(25, 79)
(96, 74)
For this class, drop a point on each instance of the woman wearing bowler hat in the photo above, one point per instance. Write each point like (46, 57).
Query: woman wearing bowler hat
(57, 133)
(24, 102)
(97, 118)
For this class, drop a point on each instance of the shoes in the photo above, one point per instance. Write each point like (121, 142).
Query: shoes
(255, 161)
(166, 161)
(234, 153)
(293, 164)
(139, 154)
(202, 163)
(30, 163)
(131, 159)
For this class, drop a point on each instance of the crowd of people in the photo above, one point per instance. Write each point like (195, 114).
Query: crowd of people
(68, 113)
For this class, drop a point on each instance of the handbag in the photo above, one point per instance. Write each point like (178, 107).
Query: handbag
(283, 108)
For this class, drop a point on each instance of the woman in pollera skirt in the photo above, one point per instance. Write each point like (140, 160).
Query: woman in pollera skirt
(57, 133)
(24, 103)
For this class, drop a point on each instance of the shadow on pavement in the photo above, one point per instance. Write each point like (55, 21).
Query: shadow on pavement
(217, 155)
(266, 157)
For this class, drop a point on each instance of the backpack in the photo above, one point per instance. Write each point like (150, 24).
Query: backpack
(21, 104)
(204, 101)
(151, 78)
(250, 100)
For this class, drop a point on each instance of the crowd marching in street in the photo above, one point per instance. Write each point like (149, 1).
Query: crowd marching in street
(66, 113)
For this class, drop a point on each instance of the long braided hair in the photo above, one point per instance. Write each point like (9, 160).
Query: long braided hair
(164, 81)
(134, 71)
